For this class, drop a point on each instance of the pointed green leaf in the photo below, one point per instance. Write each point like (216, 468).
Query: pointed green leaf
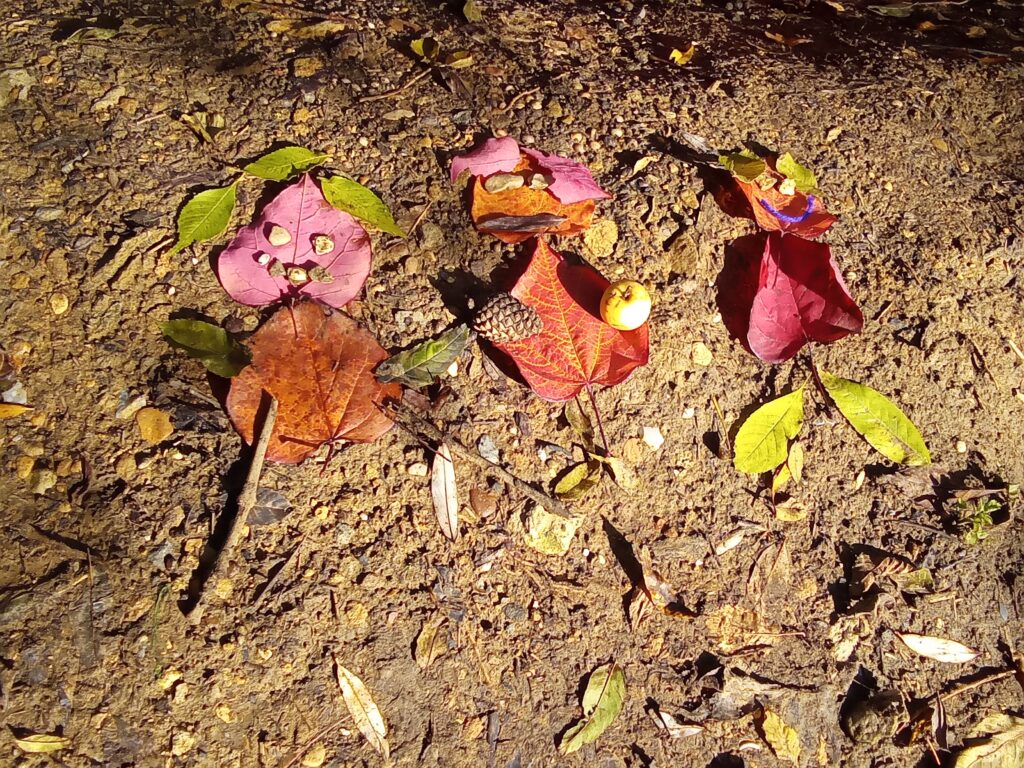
(803, 177)
(762, 443)
(602, 702)
(878, 420)
(742, 166)
(208, 343)
(353, 198)
(205, 216)
(421, 365)
(285, 163)
(578, 480)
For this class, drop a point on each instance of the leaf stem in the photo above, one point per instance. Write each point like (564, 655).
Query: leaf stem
(600, 423)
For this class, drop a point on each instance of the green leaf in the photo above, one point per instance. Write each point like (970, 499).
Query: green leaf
(41, 743)
(351, 197)
(742, 166)
(1001, 747)
(208, 343)
(578, 480)
(602, 702)
(285, 163)
(471, 11)
(205, 216)
(803, 177)
(421, 365)
(426, 48)
(580, 423)
(898, 10)
(878, 420)
(762, 441)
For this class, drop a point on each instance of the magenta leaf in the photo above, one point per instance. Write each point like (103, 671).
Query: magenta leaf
(321, 253)
(571, 182)
(493, 156)
(800, 297)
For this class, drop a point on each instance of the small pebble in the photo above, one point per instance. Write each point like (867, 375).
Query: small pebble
(59, 303)
(42, 481)
(125, 468)
(961, 446)
(453, 369)
(700, 354)
(483, 502)
(653, 437)
(278, 236)
(487, 449)
(23, 466)
(130, 408)
(419, 469)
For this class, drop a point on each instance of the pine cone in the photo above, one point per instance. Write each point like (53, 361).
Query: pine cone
(504, 318)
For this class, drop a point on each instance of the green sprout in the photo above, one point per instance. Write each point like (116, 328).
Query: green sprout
(975, 521)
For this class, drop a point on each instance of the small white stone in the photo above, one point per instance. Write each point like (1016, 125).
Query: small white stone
(653, 438)
(263, 259)
(279, 235)
(419, 469)
(298, 276)
(322, 244)
(689, 412)
(961, 446)
(453, 369)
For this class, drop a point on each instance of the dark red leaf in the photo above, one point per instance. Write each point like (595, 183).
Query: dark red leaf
(798, 214)
(319, 365)
(576, 348)
(800, 297)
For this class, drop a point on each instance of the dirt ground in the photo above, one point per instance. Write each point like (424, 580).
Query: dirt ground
(917, 135)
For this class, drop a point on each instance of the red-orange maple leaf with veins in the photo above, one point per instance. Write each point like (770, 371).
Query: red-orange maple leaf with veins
(576, 348)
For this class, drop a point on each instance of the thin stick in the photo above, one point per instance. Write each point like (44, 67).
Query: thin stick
(289, 760)
(395, 91)
(246, 502)
(524, 95)
(976, 684)
(600, 424)
(553, 506)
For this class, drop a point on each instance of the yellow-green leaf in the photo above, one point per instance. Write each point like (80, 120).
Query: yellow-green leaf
(782, 738)
(205, 216)
(879, 421)
(425, 363)
(208, 343)
(801, 176)
(1001, 745)
(471, 11)
(426, 48)
(742, 166)
(762, 442)
(578, 480)
(285, 162)
(682, 57)
(38, 743)
(602, 702)
(10, 410)
(430, 643)
(795, 462)
(459, 59)
(355, 199)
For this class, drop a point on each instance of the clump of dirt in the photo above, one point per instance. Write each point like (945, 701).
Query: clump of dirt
(915, 133)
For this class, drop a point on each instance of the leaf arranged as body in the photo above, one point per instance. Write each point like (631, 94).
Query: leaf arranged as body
(297, 230)
(284, 163)
(602, 702)
(575, 349)
(879, 421)
(762, 442)
(353, 198)
(998, 743)
(319, 365)
(205, 216)
(210, 344)
(363, 710)
(424, 363)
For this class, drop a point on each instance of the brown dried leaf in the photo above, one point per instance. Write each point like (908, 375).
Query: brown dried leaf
(430, 643)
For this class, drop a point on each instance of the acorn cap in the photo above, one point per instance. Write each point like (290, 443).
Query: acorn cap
(504, 319)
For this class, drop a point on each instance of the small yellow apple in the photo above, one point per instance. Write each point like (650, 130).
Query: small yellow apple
(625, 305)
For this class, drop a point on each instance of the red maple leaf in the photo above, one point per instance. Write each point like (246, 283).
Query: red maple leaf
(777, 292)
(319, 365)
(576, 348)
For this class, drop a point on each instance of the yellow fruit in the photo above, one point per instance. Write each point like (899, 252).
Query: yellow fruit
(625, 305)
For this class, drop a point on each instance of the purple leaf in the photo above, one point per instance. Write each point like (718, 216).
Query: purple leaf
(571, 182)
(328, 244)
(493, 156)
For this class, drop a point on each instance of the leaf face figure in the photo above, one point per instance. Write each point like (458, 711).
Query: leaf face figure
(878, 420)
(800, 297)
(575, 349)
(309, 233)
(762, 442)
(780, 209)
(319, 365)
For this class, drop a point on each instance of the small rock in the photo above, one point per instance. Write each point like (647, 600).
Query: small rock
(412, 265)
(487, 449)
(483, 502)
(130, 407)
(42, 481)
(653, 437)
(182, 743)
(154, 425)
(23, 466)
(633, 451)
(35, 450)
(109, 99)
(419, 469)
(700, 354)
(59, 304)
(307, 66)
(961, 446)
(503, 182)
(125, 468)
(278, 236)
(315, 756)
(453, 369)
(514, 612)
(15, 394)
(550, 534)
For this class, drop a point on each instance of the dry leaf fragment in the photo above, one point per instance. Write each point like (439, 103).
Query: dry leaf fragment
(39, 743)
(782, 738)
(938, 648)
(681, 58)
(1001, 747)
(430, 643)
(444, 493)
(550, 534)
(672, 727)
(154, 425)
(363, 710)
(10, 410)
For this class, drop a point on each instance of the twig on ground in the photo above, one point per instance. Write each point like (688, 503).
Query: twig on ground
(524, 95)
(395, 91)
(424, 428)
(289, 760)
(246, 502)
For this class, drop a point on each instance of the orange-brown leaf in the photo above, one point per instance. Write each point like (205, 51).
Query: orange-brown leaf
(319, 365)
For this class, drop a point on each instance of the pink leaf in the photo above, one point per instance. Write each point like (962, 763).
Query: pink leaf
(800, 297)
(301, 211)
(493, 156)
(571, 181)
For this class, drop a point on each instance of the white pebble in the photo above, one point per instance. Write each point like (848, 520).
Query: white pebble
(653, 437)
(961, 446)
(689, 412)
(419, 469)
